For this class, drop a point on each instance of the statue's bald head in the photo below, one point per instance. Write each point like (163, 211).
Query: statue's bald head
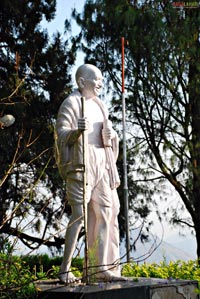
(86, 71)
(89, 80)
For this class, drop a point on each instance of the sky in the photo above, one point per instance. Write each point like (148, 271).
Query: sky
(63, 11)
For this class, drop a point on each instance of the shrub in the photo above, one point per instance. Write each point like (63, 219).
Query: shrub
(178, 270)
(16, 280)
(45, 267)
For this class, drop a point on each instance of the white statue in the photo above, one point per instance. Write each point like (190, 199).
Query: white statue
(101, 144)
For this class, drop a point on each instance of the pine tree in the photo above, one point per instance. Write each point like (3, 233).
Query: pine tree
(163, 107)
(34, 78)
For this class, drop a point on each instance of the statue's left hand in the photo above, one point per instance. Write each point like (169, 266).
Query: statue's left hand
(107, 133)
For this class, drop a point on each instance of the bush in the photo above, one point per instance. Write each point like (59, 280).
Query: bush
(177, 270)
(41, 263)
(45, 267)
(16, 280)
(18, 274)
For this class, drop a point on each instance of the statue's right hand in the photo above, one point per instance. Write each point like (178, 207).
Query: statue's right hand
(83, 124)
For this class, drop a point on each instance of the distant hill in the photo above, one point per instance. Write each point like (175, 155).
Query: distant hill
(188, 244)
(169, 251)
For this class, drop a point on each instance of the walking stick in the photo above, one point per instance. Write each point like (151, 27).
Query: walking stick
(84, 195)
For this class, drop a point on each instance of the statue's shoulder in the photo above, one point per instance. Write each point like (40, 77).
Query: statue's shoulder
(102, 106)
(72, 100)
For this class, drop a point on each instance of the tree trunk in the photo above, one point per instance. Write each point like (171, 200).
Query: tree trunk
(194, 102)
(197, 230)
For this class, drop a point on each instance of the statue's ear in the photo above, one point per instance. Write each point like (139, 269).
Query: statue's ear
(81, 82)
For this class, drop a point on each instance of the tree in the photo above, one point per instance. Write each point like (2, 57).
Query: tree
(163, 108)
(34, 77)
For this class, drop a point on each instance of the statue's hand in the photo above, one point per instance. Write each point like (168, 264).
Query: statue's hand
(107, 133)
(83, 124)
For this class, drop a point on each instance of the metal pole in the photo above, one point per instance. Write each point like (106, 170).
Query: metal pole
(126, 205)
(84, 197)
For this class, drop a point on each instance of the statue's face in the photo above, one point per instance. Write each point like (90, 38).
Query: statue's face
(93, 82)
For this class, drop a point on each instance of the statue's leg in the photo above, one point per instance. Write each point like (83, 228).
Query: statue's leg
(73, 229)
(113, 249)
(101, 229)
(105, 224)
(91, 226)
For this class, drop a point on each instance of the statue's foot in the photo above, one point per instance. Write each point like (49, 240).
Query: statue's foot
(109, 276)
(68, 278)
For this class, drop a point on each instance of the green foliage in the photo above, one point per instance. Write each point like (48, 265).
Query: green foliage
(92, 256)
(34, 78)
(18, 275)
(162, 75)
(36, 261)
(177, 270)
(16, 279)
(46, 267)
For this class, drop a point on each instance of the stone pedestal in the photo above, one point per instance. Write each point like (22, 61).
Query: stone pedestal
(142, 288)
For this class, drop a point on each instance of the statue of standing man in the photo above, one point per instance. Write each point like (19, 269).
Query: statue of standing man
(101, 147)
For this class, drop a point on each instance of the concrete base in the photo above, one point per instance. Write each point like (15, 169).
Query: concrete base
(142, 288)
